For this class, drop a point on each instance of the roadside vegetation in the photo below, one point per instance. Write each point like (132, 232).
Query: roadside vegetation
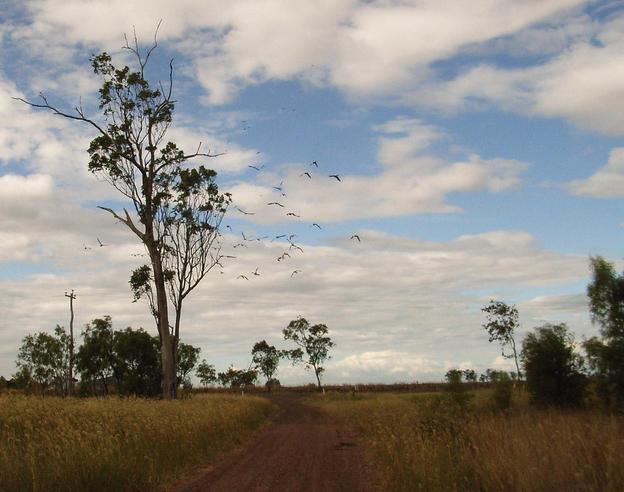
(54, 444)
(433, 442)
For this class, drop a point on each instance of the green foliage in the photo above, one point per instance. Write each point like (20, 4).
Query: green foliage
(605, 355)
(43, 360)
(501, 324)
(137, 362)
(503, 390)
(236, 378)
(206, 373)
(266, 359)
(313, 344)
(187, 360)
(553, 369)
(96, 356)
(456, 390)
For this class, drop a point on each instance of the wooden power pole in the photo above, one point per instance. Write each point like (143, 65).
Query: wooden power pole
(70, 383)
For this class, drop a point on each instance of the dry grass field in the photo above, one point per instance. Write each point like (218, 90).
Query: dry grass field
(422, 442)
(54, 444)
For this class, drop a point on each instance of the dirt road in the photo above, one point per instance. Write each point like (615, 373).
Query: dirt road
(303, 449)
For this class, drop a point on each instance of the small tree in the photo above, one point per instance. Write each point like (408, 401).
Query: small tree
(266, 358)
(44, 359)
(501, 324)
(553, 369)
(206, 373)
(313, 345)
(236, 378)
(456, 389)
(96, 356)
(137, 362)
(606, 354)
(187, 360)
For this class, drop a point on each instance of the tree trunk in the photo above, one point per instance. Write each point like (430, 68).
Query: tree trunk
(318, 379)
(166, 339)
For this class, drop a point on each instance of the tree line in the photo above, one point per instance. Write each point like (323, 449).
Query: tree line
(127, 362)
(557, 369)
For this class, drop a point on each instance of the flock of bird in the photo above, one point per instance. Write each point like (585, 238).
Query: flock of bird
(292, 246)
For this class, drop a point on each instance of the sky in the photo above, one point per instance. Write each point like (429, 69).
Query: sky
(479, 145)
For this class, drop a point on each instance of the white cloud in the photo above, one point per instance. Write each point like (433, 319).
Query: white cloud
(584, 84)
(410, 182)
(363, 48)
(407, 296)
(607, 182)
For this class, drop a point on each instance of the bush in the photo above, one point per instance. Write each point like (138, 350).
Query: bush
(503, 387)
(552, 368)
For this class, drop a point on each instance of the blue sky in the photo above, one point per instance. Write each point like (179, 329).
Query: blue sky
(480, 147)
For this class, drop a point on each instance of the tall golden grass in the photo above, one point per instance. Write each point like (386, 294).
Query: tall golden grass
(55, 444)
(425, 443)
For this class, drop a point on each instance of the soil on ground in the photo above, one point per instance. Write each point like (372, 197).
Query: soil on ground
(302, 449)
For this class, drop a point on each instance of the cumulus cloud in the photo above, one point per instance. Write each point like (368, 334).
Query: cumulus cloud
(362, 48)
(410, 182)
(583, 83)
(607, 182)
(410, 297)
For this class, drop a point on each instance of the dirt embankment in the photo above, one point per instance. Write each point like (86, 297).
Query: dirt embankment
(303, 449)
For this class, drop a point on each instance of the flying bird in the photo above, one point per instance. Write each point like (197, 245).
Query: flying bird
(275, 203)
(86, 247)
(256, 167)
(240, 244)
(290, 238)
(335, 176)
(314, 163)
(295, 272)
(100, 243)
(245, 213)
(293, 245)
(306, 174)
(280, 236)
(292, 214)
(279, 187)
(355, 236)
(242, 276)
(283, 256)
(255, 272)
(316, 225)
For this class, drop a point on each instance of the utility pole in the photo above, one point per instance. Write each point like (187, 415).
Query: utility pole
(70, 383)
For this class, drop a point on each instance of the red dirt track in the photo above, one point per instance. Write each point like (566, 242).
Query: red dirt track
(302, 449)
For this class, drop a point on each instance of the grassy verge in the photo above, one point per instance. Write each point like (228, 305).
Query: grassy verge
(424, 442)
(54, 444)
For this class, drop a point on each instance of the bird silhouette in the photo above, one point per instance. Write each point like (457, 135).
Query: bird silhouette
(335, 176)
(290, 238)
(355, 236)
(293, 245)
(280, 236)
(316, 225)
(306, 174)
(292, 214)
(279, 187)
(100, 243)
(314, 163)
(283, 256)
(295, 272)
(242, 276)
(276, 203)
(255, 272)
(245, 213)
(256, 167)
(86, 247)
(239, 245)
